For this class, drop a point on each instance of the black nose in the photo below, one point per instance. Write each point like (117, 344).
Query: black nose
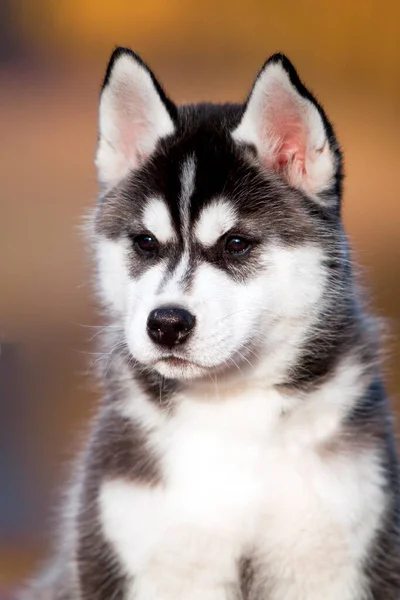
(170, 325)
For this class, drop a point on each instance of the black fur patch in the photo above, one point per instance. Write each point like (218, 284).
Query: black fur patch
(100, 573)
(253, 583)
(118, 450)
(246, 579)
(370, 425)
(157, 388)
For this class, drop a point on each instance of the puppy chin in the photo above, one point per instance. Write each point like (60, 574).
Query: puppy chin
(177, 368)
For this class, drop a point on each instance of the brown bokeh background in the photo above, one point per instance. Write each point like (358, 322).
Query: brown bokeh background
(52, 59)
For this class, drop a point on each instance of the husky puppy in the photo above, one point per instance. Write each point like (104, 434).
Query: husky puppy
(244, 447)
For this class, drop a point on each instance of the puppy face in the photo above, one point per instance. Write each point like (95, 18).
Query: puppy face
(214, 232)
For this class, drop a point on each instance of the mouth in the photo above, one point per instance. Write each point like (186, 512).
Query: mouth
(176, 361)
(174, 366)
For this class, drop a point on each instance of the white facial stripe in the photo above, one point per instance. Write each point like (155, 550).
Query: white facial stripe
(157, 219)
(173, 286)
(215, 219)
(188, 177)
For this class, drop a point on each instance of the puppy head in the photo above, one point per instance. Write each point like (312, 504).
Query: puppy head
(217, 225)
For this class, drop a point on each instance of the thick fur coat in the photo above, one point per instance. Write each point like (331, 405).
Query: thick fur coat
(244, 446)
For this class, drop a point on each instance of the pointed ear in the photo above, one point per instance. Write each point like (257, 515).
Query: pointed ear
(289, 130)
(134, 115)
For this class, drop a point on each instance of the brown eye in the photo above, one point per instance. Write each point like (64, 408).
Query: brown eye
(236, 245)
(146, 244)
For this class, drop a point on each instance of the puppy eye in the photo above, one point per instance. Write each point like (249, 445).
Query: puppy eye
(236, 245)
(146, 244)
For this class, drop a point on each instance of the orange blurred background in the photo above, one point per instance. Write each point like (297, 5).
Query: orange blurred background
(52, 59)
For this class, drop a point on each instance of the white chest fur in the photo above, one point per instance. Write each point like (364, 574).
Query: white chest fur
(243, 482)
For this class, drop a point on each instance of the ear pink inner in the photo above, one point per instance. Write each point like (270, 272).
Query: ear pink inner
(285, 130)
(134, 126)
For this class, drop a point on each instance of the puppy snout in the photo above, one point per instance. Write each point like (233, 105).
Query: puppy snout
(170, 325)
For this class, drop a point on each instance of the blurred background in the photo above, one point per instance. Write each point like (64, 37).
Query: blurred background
(52, 60)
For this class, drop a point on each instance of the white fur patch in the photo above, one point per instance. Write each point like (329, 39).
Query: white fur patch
(173, 287)
(113, 273)
(214, 220)
(157, 219)
(239, 478)
(188, 178)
